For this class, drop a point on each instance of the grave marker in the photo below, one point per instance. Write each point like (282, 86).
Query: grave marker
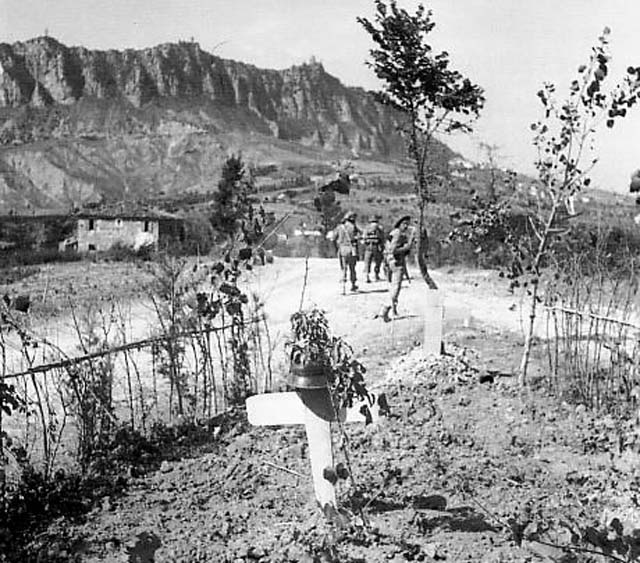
(433, 323)
(313, 408)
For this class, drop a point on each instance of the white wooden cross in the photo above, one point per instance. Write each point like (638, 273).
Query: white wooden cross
(314, 409)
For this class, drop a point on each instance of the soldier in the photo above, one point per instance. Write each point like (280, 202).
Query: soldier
(374, 240)
(398, 247)
(347, 235)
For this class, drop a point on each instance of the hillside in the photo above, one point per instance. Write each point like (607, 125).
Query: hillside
(78, 125)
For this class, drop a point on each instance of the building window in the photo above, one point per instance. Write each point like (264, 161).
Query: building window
(92, 224)
(146, 226)
(92, 247)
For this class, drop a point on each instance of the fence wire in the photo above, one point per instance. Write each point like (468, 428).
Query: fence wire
(74, 405)
(592, 343)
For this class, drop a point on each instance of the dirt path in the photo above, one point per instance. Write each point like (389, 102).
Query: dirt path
(467, 295)
(477, 298)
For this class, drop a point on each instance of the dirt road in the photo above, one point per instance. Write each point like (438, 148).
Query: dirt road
(476, 298)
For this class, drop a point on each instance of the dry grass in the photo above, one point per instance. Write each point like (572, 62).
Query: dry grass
(54, 288)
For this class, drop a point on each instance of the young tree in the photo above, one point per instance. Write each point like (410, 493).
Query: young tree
(564, 139)
(419, 83)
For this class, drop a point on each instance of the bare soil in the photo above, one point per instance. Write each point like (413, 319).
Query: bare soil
(466, 468)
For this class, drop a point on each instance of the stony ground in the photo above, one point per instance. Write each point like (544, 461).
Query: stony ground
(465, 468)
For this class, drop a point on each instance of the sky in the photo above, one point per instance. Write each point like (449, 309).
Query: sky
(509, 47)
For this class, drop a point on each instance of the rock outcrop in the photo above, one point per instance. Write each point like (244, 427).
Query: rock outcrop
(303, 103)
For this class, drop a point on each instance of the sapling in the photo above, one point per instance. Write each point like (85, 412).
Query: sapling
(564, 139)
(430, 97)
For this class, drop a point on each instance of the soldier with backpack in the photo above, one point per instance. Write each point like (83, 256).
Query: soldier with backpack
(374, 241)
(347, 234)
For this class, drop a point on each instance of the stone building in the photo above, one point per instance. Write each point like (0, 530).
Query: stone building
(88, 231)
(95, 232)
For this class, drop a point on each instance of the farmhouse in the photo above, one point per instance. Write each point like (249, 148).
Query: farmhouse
(101, 231)
(88, 231)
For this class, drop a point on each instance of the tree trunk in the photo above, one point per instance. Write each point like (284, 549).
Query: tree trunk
(533, 305)
(423, 247)
(528, 337)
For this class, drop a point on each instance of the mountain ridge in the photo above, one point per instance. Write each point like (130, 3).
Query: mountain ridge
(80, 125)
(301, 102)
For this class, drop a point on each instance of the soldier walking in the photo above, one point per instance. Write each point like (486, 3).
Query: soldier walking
(398, 248)
(347, 235)
(374, 241)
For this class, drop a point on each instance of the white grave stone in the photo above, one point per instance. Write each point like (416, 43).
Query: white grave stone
(313, 408)
(433, 323)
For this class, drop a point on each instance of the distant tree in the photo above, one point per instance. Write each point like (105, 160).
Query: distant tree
(419, 83)
(57, 230)
(232, 209)
(25, 235)
(329, 209)
(491, 163)
(199, 234)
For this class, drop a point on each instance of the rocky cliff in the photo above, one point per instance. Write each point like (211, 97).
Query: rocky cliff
(299, 103)
(78, 124)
